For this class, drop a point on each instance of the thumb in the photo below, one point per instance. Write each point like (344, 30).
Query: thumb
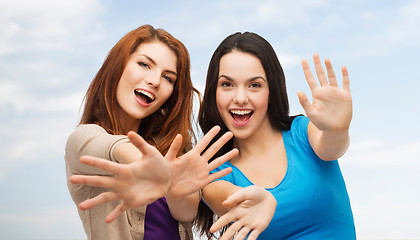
(139, 142)
(174, 148)
(235, 198)
(304, 102)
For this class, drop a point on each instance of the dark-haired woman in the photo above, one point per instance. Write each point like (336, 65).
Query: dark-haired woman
(286, 182)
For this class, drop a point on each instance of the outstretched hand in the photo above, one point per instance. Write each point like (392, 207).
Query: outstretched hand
(154, 176)
(331, 107)
(190, 172)
(252, 209)
(136, 184)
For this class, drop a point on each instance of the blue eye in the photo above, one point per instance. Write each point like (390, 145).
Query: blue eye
(142, 64)
(168, 79)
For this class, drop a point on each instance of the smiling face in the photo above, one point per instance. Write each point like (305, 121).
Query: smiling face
(146, 83)
(242, 94)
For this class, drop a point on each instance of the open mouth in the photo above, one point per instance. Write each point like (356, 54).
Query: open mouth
(144, 96)
(241, 115)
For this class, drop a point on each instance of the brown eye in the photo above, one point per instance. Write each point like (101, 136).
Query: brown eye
(225, 84)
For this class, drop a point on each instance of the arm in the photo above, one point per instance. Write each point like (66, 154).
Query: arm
(249, 209)
(329, 113)
(137, 184)
(126, 153)
(215, 193)
(150, 177)
(91, 140)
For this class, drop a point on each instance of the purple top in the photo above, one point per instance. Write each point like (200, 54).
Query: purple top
(159, 223)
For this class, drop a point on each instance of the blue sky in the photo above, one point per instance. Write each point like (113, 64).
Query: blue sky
(50, 51)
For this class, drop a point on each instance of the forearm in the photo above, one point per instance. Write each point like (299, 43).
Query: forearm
(328, 145)
(126, 152)
(184, 209)
(214, 194)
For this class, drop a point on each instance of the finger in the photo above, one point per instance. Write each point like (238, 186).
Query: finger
(215, 147)
(319, 70)
(254, 234)
(220, 160)
(219, 174)
(115, 213)
(174, 148)
(235, 198)
(98, 200)
(140, 143)
(308, 75)
(100, 163)
(242, 233)
(231, 231)
(95, 181)
(346, 79)
(221, 222)
(330, 71)
(204, 142)
(304, 102)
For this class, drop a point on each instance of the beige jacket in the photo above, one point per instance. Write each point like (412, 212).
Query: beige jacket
(93, 140)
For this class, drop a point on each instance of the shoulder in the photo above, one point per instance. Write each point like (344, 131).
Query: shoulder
(299, 128)
(91, 140)
(88, 133)
(228, 177)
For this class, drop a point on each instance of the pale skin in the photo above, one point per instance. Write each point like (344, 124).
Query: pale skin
(143, 181)
(330, 113)
(142, 174)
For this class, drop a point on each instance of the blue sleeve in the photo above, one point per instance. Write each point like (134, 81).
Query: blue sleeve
(229, 177)
(299, 132)
(299, 128)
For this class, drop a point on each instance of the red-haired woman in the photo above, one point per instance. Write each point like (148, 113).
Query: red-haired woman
(143, 89)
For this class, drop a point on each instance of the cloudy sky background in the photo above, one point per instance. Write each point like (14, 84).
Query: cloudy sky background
(50, 51)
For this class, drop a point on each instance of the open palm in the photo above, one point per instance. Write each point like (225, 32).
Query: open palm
(136, 184)
(331, 108)
(252, 209)
(190, 172)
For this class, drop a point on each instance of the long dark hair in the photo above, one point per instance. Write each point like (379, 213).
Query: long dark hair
(278, 108)
(101, 104)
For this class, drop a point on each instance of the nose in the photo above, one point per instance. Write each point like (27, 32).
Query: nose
(240, 97)
(153, 80)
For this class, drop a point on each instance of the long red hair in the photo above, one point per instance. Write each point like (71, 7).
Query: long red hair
(101, 104)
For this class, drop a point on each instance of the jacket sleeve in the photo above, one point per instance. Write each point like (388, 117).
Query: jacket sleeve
(91, 140)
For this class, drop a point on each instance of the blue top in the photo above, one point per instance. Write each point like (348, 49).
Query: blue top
(312, 199)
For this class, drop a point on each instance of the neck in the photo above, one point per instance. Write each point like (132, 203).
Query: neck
(258, 143)
(130, 126)
(128, 123)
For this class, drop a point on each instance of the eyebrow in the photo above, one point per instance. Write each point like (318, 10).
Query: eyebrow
(249, 80)
(154, 63)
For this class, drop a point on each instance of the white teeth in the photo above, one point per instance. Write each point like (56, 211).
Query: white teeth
(241, 112)
(146, 93)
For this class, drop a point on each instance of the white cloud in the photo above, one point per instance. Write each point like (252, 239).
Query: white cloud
(42, 223)
(374, 152)
(286, 13)
(383, 181)
(20, 98)
(50, 25)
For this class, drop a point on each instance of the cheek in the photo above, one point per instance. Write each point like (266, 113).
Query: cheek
(120, 93)
(167, 93)
(219, 101)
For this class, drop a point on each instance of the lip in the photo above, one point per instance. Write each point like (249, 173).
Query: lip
(140, 101)
(240, 123)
